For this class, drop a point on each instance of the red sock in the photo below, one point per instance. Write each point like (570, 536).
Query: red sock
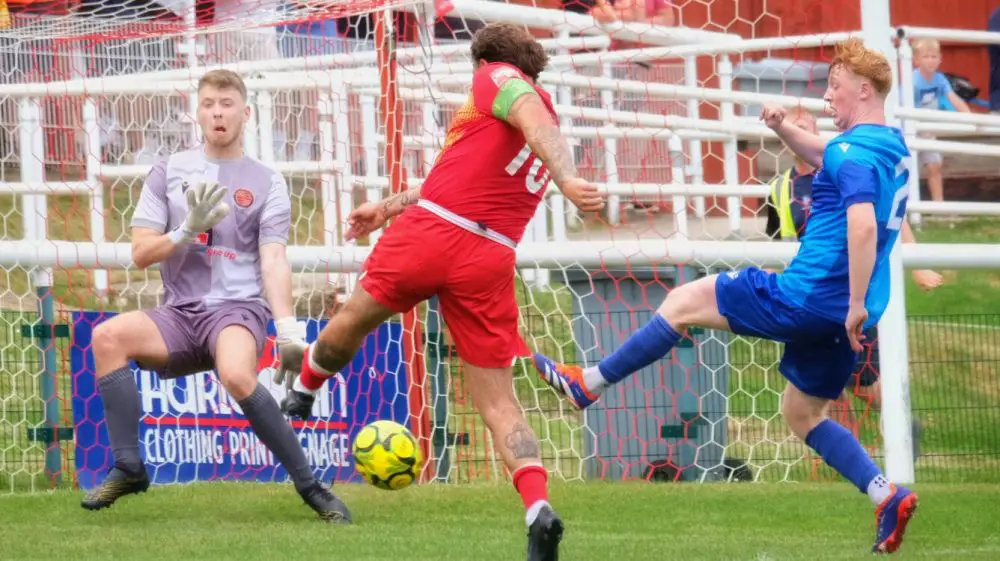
(312, 376)
(532, 482)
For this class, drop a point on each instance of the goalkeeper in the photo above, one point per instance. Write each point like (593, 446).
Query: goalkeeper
(218, 249)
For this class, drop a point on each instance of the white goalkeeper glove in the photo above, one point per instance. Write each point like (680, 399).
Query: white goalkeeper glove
(291, 350)
(205, 211)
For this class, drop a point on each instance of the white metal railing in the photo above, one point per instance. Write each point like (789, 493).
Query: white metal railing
(905, 32)
(587, 254)
(618, 124)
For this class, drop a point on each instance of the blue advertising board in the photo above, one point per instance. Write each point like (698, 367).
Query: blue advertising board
(192, 430)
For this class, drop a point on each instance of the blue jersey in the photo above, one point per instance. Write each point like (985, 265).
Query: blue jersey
(865, 164)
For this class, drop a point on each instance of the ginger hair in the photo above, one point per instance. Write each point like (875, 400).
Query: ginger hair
(865, 63)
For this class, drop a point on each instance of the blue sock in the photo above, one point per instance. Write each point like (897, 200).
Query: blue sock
(644, 347)
(843, 453)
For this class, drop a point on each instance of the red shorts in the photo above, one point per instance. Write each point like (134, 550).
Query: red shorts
(422, 255)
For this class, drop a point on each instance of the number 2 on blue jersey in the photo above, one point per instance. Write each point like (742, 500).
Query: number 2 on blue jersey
(897, 213)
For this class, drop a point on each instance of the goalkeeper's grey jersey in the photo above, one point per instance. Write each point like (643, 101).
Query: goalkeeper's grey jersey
(223, 263)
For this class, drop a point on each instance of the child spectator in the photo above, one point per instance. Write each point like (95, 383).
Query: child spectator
(931, 90)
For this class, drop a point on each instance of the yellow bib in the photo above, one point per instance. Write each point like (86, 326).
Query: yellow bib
(781, 198)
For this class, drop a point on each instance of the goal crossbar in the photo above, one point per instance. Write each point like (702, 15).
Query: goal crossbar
(567, 254)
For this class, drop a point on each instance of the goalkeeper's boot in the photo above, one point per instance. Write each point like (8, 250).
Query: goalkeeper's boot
(566, 379)
(297, 404)
(891, 518)
(320, 498)
(117, 484)
(544, 535)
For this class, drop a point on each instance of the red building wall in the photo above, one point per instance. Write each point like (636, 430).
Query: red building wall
(801, 17)
(772, 18)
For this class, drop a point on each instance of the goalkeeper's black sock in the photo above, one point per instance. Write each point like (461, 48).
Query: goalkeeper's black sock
(274, 431)
(121, 416)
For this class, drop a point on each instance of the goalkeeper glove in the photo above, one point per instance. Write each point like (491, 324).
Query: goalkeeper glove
(205, 211)
(291, 350)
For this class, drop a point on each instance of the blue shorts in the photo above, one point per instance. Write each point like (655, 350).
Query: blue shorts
(818, 359)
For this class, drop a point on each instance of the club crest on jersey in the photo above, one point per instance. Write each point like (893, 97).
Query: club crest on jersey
(243, 198)
(502, 74)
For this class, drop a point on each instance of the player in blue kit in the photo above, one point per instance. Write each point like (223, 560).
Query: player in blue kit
(836, 286)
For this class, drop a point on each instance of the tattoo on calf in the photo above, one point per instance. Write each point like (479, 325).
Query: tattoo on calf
(522, 443)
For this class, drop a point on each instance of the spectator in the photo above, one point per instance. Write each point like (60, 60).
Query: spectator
(791, 191)
(932, 90)
(656, 12)
(994, 51)
(864, 386)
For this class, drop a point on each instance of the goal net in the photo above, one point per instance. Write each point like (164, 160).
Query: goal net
(350, 101)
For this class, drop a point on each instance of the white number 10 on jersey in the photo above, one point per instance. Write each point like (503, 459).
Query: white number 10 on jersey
(533, 185)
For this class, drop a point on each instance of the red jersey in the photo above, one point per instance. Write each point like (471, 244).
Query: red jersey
(486, 172)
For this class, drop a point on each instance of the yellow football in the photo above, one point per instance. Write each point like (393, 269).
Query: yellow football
(387, 455)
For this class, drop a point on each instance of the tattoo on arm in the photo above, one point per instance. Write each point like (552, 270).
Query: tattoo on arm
(549, 144)
(397, 203)
(522, 443)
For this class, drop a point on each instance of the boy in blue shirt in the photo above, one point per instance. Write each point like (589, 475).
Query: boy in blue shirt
(932, 90)
(836, 286)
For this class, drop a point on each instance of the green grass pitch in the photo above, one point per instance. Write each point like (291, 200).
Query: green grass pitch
(605, 521)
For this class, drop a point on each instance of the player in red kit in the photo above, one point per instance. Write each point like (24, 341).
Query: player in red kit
(458, 243)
